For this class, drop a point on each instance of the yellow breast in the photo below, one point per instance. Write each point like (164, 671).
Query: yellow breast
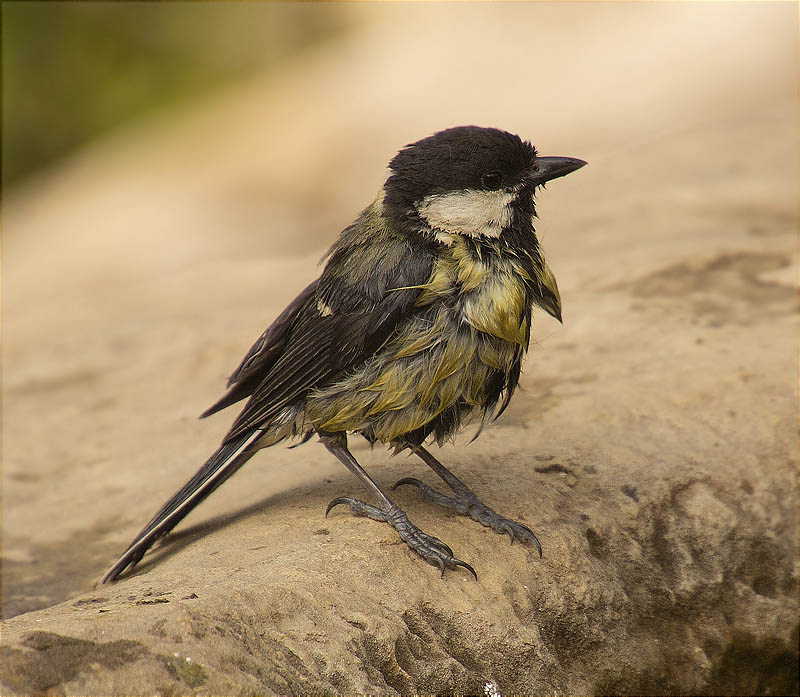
(431, 364)
(491, 292)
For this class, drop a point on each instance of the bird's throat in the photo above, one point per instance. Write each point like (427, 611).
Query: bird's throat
(470, 212)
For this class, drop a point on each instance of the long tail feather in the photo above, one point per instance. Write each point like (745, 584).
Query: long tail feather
(222, 464)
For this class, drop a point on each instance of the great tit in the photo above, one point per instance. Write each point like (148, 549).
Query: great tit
(417, 325)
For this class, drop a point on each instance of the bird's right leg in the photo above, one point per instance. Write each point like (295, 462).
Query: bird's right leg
(430, 548)
(465, 502)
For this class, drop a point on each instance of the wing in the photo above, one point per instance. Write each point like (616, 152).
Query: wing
(264, 353)
(369, 285)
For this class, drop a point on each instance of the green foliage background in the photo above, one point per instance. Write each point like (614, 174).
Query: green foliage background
(72, 70)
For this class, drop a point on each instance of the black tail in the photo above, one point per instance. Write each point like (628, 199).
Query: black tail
(222, 464)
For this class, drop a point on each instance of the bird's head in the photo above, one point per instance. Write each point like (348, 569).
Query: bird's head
(469, 180)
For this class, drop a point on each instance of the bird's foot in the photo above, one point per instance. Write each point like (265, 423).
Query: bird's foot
(430, 548)
(465, 502)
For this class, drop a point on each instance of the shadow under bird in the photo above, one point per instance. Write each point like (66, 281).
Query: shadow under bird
(417, 324)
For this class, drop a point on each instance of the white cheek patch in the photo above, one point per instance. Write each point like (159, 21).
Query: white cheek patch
(469, 212)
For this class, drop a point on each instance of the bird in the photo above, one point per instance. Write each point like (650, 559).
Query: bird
(416, 326)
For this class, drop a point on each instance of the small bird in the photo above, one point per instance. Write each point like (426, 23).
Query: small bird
(417, 324)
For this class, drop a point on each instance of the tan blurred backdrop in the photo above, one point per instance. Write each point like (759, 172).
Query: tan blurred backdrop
(146, 248)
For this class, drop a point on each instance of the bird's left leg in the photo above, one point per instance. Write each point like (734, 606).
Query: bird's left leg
(466, 502)
(430, 548)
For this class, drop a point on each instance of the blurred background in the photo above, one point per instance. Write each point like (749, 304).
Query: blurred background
(99, 65)
(172, 172)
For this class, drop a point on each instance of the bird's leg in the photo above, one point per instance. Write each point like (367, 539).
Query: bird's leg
(466, 502)
(430, 548)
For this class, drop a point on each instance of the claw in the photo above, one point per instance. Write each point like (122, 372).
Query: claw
(436, 542)
(523, 531)
(336, 502)
(408, 480)
(507, 528)
(533, 538)
(458, 562)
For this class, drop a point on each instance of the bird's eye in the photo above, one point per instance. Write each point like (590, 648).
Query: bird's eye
(492, 181)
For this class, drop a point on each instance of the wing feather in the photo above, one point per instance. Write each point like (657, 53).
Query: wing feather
(368, 288)
(263, 353)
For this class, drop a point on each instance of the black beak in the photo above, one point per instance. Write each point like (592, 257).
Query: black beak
(546, 168)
